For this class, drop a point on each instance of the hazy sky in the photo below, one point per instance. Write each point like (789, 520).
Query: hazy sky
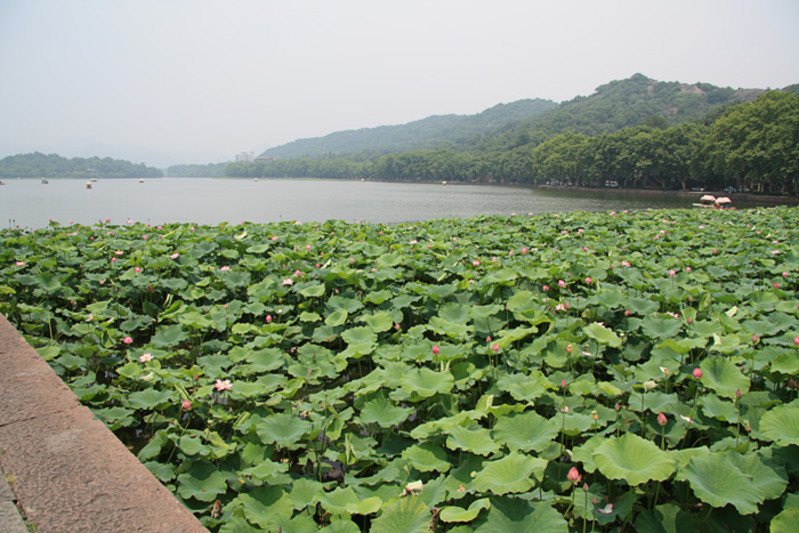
(170, 81)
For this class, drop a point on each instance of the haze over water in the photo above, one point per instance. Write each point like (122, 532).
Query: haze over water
(29, 203)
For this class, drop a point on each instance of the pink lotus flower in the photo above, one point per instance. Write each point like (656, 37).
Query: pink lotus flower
(186, 405)
(672, 273)
(755, 338)
(588, 280)
(127, 340)
(288, 282)
(113, 259)
(143, 358)
(574, 475)
(662, 420)
(224, 268)
(174, 256)
(687, 269)
(137, 269)
(436, 349)
(268, 318)
(561, 283)
(796, 341)
(697, 373)
(20, 263)
(495, 347)
(545, 288)
(223, 385)
(524, 250)
(625, 264)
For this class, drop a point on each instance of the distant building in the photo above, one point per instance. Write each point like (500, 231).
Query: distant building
(246, 157)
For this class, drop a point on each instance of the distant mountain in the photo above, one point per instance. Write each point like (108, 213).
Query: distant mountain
(634, 101)
(425, 133)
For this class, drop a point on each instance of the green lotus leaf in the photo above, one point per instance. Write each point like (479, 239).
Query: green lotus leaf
(785, 521)
(642, 306)
(525, 388)
(262, 290)
(341, 526)
(169, 336)
(513, 515)
(769, 478)
(266, 470)
(283, 429)
(450, 329)
(382, 412)
(717, 482)
(165, 472)
(115, 417)
(305, 316)
(202, 481)
(337, 500)
(715, 407)
(263, 360)
(174, 284)
(476, 440)
(150, 398)
(633, 459)
(378, 297)
(666, 518)
(455, 312)
(512, 473)
(424, 382)
(427, 457)
(404, 515)
(192, 445)
(359, 336)
(365, 506)
(380, 321)
(656, 327)
(721, 375)
(458, 514)
(266, 506)
(525, 431)
(337, 317)
(389, 260)
(602, 335)
(781, 425)
(786, 363)
(313, 290)
(305, 492)
(235, 279)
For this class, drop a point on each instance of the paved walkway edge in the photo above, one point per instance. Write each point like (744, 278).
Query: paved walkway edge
(69, 472)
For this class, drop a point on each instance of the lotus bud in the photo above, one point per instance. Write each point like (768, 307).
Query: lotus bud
(697, 373)
(662, 420)
(574, 475)
(436, 350)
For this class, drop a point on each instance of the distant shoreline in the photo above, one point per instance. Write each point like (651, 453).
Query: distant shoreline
(742, 196)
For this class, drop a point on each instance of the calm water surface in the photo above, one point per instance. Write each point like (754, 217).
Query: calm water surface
(30, 203)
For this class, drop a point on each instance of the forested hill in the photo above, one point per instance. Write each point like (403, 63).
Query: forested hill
(38, 165)
(425, 133)
(634, 101)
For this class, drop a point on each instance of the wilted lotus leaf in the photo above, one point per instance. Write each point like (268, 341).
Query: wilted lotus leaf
(633, 459)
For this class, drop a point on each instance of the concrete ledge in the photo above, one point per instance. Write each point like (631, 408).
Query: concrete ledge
(71, 473)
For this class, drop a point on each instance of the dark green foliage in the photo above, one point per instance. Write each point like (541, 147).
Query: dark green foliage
(38, 165)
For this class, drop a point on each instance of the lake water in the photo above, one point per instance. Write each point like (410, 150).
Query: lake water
(30, 203)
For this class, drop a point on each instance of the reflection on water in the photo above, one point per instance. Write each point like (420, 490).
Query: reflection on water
(29, 203)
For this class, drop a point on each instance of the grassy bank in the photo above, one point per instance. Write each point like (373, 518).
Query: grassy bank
(551, 373)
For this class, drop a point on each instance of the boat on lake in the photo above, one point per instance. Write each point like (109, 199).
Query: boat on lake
(44, 181)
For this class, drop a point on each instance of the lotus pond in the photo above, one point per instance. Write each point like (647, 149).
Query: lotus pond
(573, 372)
